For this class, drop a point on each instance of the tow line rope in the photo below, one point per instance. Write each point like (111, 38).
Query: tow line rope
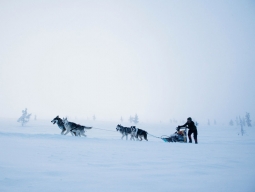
(154, 136)
(103, 129)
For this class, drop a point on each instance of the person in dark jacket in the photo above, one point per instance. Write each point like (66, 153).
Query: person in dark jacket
(192, 129)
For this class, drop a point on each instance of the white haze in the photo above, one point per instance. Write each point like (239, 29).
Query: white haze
(159, 59)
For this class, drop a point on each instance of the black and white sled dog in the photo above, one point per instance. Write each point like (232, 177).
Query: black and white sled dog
(73, 127)
(125, 131)
(61, 125)
(135, 132)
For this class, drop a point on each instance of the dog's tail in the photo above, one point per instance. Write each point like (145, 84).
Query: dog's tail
(87, 127)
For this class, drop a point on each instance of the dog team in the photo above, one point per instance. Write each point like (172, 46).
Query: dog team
(134, 132)
(79, 130)
(73, 128)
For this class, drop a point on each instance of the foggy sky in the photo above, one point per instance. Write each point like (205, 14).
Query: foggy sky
(159, 59)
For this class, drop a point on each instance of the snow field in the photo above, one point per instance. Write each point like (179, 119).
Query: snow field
(37, 158)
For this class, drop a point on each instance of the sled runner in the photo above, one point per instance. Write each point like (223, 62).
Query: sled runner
(178, 136)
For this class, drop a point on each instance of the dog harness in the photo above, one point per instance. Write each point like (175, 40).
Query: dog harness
(134, 131)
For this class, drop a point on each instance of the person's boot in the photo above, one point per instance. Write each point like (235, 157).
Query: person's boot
(190, 140)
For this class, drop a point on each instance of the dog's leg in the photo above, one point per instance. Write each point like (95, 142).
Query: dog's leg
(67, 131)
(83, 133)
(145, 137)
(63, 130)
(133, 136)
(78, 133)
(73, 132)
(122, 136)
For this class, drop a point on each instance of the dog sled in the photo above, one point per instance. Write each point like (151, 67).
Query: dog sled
(178, 136)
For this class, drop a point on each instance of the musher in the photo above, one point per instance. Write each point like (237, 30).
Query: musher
(192, 129)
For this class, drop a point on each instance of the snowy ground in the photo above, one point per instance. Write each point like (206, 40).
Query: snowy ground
(37, 158)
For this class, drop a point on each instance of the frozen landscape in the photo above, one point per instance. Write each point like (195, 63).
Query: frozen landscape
(36, 157)
(150, 62)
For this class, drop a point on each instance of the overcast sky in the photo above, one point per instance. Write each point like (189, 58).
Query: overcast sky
(159, 59)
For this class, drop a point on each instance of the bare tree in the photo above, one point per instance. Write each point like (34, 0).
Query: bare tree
(248, 119)
(241, 124)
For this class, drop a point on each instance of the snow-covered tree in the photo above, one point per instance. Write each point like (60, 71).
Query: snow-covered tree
(35, 118)
(94, 117)
(231, 123)
(248, 119)
(136, 120)
(121, 119)
(24, 117)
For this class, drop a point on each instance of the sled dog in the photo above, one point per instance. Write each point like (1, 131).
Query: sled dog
(61, 125)
(125, 131)
(73, 127)
(139, 133)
